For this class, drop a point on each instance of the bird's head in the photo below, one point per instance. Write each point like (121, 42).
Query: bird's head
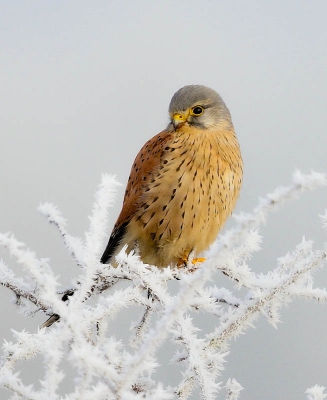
(198, 106)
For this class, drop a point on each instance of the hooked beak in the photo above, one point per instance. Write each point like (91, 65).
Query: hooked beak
(178, 120)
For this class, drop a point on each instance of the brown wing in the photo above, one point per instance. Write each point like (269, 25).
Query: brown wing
(145, 162)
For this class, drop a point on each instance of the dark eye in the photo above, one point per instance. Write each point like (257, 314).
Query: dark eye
(197, 110)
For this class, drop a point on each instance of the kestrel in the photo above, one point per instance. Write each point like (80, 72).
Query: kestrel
(183, 185)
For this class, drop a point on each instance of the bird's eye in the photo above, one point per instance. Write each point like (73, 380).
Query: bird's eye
(197, 110)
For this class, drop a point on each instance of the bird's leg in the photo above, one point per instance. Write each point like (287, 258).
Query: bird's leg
(187, 260)
(182, 262)
(191, 260)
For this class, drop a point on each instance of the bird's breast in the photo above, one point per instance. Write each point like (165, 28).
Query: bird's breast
(189, 195)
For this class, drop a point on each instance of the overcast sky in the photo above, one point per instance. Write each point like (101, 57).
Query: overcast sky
(85, 83)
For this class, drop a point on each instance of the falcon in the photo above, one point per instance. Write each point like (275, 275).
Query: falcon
(183, 185)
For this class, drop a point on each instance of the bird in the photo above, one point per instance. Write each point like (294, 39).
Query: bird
(183, 185)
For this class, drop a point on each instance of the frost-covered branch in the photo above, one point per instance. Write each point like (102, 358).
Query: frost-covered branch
(316, 393)
(104, 366)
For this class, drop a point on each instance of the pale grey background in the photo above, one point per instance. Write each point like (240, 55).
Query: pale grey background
(85, 83)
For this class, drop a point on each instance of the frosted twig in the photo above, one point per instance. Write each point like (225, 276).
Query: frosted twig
(106, 367)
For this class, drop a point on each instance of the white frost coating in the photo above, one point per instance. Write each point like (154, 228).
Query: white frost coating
(233, 389)
(324, 219)
(316, 393)
(107, 368)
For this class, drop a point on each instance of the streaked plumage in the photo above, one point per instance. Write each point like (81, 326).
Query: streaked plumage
(184, 183)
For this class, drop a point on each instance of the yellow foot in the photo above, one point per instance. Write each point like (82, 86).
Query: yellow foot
(186, 263)
(198, 260)
(195, 262)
